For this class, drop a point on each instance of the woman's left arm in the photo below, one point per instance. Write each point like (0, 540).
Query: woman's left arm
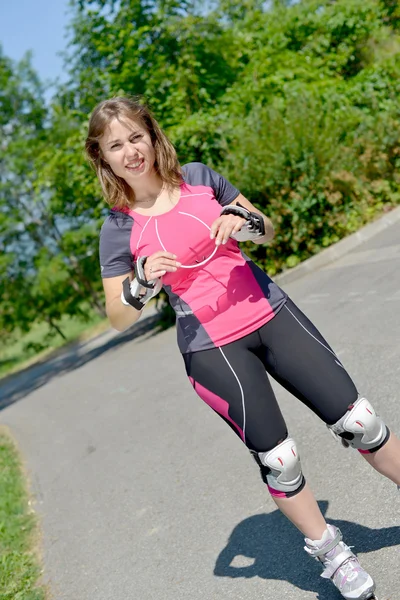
(269, 228)
(229, 224)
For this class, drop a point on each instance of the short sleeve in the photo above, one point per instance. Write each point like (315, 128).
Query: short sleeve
(115, 252)
(199, 174)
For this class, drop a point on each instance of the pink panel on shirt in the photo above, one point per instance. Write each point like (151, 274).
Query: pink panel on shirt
(223, 292)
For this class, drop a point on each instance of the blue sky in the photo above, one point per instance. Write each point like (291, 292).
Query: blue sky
(37, 25)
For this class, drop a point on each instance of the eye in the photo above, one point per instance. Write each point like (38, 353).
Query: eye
(136, 137)
(114, 146)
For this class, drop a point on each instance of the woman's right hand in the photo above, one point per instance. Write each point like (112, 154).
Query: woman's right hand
(160, 263)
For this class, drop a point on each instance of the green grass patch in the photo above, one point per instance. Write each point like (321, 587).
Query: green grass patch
(26, 349)
(19, 563)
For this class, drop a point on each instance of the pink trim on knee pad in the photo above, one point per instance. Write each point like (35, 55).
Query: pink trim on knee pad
(276, 493)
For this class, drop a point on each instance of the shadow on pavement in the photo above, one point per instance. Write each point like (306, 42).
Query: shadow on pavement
(275, 550)
(17, 386)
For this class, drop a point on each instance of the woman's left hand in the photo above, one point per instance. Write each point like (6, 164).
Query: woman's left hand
(224, 227)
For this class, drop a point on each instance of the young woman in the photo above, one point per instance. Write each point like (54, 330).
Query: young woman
(178, 228)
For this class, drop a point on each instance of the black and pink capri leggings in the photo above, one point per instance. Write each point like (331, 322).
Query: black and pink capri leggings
(233, 379)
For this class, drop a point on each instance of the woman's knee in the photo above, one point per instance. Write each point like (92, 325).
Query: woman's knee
(361, 428)
(281, 469)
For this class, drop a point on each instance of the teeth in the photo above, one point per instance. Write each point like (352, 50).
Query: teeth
(135, 165)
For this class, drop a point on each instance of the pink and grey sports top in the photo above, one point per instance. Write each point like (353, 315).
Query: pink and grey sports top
(219, 295)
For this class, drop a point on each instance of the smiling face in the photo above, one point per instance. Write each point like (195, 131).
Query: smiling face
(127, 148)
(130, 153)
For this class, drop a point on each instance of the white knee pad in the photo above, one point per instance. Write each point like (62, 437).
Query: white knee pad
(361, 427)
(284, 469)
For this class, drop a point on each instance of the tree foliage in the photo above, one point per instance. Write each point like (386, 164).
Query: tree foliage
(296, 102)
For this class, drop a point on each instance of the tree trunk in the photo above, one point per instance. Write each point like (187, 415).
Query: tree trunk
(53, 325)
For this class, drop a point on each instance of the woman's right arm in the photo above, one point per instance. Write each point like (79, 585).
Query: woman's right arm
(121, 316)
(155, 266)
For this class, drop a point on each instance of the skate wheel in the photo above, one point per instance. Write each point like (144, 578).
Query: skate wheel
(372, 596)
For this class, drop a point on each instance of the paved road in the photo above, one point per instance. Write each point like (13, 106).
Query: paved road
(145, 494)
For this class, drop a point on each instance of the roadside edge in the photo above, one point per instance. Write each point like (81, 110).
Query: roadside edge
(339, 249)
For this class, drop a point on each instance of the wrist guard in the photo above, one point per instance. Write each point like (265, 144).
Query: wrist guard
(132, 291)
(252, 229)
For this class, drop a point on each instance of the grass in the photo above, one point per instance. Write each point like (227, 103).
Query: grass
(27, 349)
(19, 563)
(24, 350)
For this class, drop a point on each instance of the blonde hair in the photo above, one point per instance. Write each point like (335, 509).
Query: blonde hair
(116, 191)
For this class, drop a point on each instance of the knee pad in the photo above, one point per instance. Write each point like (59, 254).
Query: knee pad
(281, 469)
(361, 428)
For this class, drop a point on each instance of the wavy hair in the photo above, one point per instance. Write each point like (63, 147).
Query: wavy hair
(117, 193)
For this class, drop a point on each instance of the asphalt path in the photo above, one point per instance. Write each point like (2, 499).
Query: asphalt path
(144, 493)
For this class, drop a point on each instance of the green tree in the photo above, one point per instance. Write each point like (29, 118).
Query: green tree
(21, 123)
(43, 273)
(296, 102)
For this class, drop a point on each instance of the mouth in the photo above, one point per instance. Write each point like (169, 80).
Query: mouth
(135, 166)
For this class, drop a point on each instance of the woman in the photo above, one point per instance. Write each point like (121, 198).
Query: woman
(178, 228)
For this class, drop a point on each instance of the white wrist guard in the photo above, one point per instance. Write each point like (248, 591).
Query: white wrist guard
(132, 291)
(253, 228)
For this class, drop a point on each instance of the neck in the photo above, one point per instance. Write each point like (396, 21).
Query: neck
(148, 190)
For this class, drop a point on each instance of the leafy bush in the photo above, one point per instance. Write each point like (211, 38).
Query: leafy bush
(316, 168)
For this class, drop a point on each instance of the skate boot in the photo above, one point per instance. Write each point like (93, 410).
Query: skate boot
(341, 565)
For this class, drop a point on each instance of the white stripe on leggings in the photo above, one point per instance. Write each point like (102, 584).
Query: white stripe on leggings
(241, 391)
(313, 336)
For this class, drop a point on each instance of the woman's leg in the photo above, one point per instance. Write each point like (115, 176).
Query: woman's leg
(387, 460)
(297, 356)
(232, 380)
(303, 511)
(302, 361)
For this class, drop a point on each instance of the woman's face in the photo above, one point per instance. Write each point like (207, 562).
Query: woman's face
(127, 148)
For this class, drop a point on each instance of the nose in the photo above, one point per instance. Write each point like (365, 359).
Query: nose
(130, 150)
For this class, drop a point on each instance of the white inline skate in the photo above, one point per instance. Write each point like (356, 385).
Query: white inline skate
(341, 566)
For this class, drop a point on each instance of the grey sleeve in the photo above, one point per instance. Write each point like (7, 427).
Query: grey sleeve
(199, 174)
(115, 252)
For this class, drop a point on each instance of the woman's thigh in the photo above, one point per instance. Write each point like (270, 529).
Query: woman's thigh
(232, 380)
(301, 360)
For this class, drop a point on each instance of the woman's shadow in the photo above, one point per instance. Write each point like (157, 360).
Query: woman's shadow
(274, 548)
